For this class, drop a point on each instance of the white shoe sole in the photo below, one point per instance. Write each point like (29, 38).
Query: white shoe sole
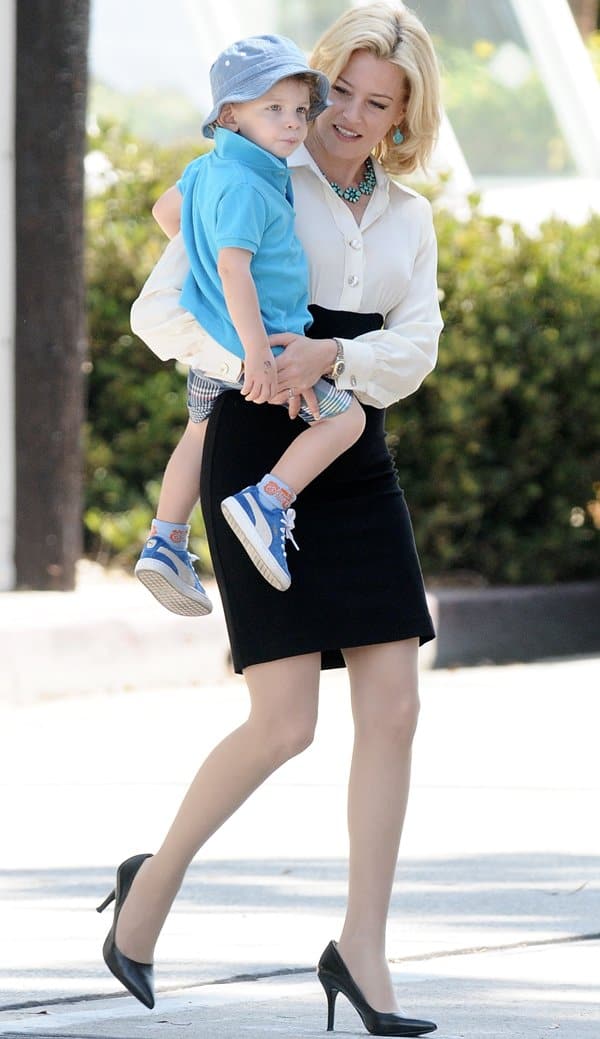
(170, 591)
(260, 555)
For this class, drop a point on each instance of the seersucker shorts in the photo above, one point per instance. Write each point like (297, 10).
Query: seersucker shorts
(203, 391)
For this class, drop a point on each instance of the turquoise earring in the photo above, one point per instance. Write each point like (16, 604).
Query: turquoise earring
(397, 136)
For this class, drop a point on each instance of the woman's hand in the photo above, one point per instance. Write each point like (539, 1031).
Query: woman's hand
(303, 361)
(293, 398)
(299, 367)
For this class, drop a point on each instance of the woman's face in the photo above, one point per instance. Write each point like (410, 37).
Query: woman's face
(369, 96)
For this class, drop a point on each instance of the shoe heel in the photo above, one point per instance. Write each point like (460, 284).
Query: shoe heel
(331, 994)
(109, 898)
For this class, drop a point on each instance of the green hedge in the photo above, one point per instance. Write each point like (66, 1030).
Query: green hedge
(499, 452)
(500, 449)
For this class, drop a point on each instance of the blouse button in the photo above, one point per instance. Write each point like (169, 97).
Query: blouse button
(353, 280)
(224, 369)
(355, 243)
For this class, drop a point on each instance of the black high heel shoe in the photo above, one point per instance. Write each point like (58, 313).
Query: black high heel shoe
(335, 977)
(138, 978)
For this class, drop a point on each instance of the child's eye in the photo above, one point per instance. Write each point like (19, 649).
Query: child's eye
(302, 109)
(274, 108)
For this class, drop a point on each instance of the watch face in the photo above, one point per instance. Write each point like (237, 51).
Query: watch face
(338, 369)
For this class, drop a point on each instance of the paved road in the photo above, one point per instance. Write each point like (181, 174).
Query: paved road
(495, 928)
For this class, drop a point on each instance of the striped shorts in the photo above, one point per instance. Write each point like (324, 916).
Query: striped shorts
(203, 392)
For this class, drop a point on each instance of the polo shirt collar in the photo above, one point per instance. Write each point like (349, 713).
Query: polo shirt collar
(229, 145)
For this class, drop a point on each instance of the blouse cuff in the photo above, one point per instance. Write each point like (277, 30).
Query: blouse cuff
(358, 361)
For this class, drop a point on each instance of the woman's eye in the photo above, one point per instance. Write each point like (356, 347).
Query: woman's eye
(340, 90)
(377, 105)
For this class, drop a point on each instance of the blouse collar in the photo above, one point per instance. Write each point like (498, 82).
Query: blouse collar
(302, 157)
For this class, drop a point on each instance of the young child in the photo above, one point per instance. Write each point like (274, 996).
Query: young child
(248, 280)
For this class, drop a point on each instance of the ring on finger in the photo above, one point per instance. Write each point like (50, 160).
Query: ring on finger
(291, 393)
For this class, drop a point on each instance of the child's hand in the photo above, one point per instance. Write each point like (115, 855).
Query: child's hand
(260, 377)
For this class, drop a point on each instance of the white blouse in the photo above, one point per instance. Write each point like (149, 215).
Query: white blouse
(387, 265)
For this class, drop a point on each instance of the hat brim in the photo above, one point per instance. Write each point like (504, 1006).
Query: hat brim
(262, 84)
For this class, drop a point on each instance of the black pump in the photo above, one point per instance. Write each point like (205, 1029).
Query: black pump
(335, 977)
(138, 978)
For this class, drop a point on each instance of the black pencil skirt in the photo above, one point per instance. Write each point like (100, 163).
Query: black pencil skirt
(356, 579)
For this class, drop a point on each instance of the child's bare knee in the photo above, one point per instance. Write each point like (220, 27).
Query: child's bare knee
(357, 417)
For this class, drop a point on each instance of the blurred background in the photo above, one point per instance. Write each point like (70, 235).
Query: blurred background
(499, 452)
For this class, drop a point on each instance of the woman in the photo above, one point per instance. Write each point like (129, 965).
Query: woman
(357, 597)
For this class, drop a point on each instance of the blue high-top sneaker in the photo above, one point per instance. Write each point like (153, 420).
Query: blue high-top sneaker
(169, 574)
(263, 533)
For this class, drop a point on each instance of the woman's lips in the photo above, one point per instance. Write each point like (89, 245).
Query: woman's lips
(345, 134)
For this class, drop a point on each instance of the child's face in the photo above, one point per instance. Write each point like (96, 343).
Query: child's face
(277, 121)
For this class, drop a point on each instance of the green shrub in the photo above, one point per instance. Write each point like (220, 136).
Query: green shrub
(500, 449)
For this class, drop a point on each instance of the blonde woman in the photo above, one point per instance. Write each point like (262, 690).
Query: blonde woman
(357, 599)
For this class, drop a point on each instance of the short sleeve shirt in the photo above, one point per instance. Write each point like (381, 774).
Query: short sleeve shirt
(240, 196)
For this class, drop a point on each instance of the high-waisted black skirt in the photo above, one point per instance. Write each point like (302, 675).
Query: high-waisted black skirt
(356, 580)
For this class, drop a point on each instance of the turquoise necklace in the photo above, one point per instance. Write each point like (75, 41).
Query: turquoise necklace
(366, 186)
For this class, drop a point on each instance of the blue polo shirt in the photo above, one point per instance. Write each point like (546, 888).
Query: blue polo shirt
(240, 195)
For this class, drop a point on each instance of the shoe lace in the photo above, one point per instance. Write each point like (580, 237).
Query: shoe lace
(288, 520)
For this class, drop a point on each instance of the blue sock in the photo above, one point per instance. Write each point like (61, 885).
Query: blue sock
(175, 534)
(274, 493)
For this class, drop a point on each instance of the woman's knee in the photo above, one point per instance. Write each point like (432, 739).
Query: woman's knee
(390, 714)
(283, 734)
(284, 702)
(385, 684)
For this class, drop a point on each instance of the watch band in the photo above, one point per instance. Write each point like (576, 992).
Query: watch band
(339, 365)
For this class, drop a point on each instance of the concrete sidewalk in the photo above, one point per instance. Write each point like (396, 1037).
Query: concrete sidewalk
(110, 634)
(495, 923)
(107, 635)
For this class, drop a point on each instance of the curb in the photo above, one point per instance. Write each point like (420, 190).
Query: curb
(113, 637)
(515, 625)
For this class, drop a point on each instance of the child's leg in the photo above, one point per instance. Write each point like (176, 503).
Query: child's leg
(260, 516)
(318, 446)
(165, 566)
(181, 482)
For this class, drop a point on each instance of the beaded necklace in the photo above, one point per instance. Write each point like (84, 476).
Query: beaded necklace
(366, 186)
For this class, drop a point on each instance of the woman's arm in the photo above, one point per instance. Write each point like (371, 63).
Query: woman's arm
(167, 211)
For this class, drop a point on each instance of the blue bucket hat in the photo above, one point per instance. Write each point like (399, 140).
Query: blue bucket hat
(250, 67)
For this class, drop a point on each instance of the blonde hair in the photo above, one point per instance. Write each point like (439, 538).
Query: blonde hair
(394, 33)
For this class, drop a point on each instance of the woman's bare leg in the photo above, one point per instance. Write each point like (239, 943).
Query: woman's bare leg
(384, 682)
(283, 714)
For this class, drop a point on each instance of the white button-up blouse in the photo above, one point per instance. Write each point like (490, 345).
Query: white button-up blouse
(387, 265)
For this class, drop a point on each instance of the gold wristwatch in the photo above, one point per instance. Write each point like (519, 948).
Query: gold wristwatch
(339, 365)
